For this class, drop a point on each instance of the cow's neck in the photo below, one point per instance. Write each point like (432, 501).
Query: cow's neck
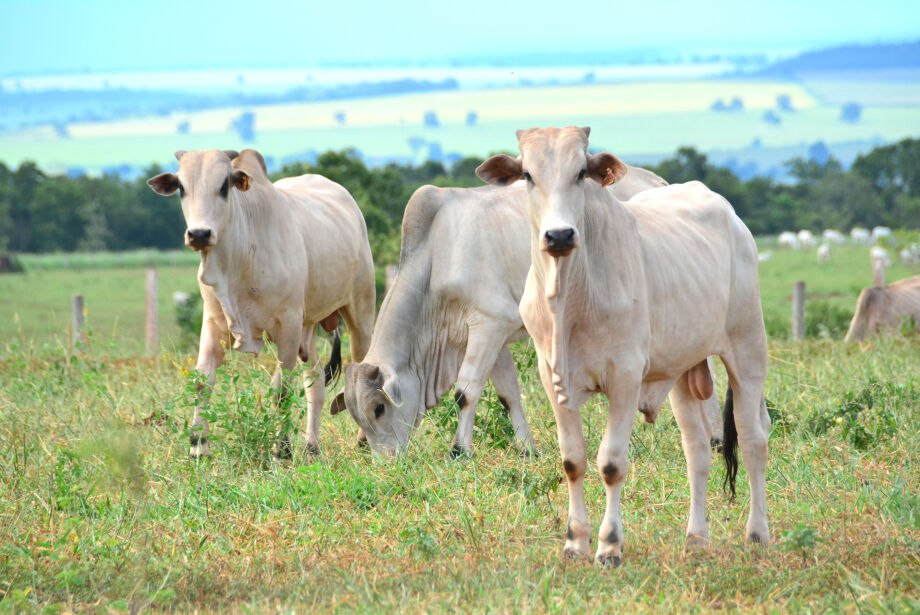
(413, 333)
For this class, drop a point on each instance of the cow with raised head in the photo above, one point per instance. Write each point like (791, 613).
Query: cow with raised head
(276, 259)
(451, 313)
(629, 299)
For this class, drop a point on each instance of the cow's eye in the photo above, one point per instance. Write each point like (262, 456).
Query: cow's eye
(581, 175)
(181, 190)
(225, 188)
(528, 177)
(378, 411)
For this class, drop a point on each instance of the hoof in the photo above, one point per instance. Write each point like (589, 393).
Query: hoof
(312, 448)
(608, 561)
(696, 541)
(716, 445)
(574, 555)
(529, 453)
(458, 452)
(758, 539)
(283, 450)
(362, 443)
(199, 447)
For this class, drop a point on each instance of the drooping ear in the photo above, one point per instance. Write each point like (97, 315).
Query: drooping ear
(500, 170)
(586, 130)
(231, 153)
(240, 180)
(179, 153)
(391, 390)
(605, 168)
(338, 403)
(164, 183)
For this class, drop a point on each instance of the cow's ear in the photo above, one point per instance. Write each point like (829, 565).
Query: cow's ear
(605, 168)
(240, 180)
(586, 130)
(179, 154)
(164, 183)
(231, 153)
(391, 390)
(500, 170)
(338, 404)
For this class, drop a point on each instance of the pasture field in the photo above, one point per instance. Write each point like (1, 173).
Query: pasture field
(103, 512)
(631, 119)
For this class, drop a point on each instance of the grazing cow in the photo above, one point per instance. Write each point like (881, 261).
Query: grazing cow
(787, 239)
(833, 236)
(765, 256)
(884, 309)
(824, 253)
(908, 257)
(275, 259)
(880, 232)
(451, 313)
(861, 236)
(629, 300)
(806, 239)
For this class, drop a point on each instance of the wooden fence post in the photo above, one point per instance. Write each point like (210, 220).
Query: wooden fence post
(878, 272)
(79, 339)
(153, 341)
(798, 310)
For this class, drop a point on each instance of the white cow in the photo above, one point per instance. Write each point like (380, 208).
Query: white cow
(885, 310)
(275, 259)
(451, 313)
(908, 258)
(787, 239)
(806, 239)
(824, 253)
(861, 236)
(833, 236)
(880, 232)
(629, 299)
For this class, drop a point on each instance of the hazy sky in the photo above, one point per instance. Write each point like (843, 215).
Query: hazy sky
(40, 36)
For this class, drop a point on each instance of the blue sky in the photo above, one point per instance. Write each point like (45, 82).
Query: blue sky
(49, 36)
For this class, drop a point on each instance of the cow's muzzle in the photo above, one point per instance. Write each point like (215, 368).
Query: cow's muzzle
(559, 242)
(198, 238)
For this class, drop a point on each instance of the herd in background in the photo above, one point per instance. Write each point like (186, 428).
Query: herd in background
(878, 255)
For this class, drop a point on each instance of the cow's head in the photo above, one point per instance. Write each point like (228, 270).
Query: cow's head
(556, 164)
(384, 405)
(204, 182)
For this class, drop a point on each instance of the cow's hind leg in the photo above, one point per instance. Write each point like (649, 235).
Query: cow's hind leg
(504, 377)
(482, 348)
(747, 419)
(210, 357)
(314, 389)
(690, 414)
(359, 321)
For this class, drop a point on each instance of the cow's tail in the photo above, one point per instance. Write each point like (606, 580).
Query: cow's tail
(334, 367)
(730, 443)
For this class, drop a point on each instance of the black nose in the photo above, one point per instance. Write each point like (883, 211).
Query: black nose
(562, 240)
(199, 237)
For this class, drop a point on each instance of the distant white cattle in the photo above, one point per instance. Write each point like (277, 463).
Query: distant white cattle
(765, 256)
(824, 253)
(628, 299)
(860, 236)
(880, 232)
(787, 239)
(833, 236)
(276, 259)
(908, 258)
(806, 239)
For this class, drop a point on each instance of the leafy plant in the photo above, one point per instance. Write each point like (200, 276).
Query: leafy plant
(801, 538)
(827, 320)
(865, 417)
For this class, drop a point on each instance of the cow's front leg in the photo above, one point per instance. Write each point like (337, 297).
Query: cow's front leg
(504, 377)
(613, 459)
(288, 342)
(482, 348)
(315, 390)
(210, 357)
(574, 464)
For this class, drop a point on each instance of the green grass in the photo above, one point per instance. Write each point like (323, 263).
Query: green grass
(102, 511)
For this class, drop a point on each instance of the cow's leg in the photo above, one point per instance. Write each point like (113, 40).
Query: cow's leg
(482, 348)
(746, 367)
(690, 414)
(574, 464)
(359, 321)
(504, 377)
(210, 357)
(314, 389)
(714, 412)
(613, 459)
(288, 340)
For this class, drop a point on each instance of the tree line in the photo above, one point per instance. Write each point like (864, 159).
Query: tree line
(46, 213)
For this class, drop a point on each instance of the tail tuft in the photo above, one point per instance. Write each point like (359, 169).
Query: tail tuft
(730, 443)
(333, 368)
